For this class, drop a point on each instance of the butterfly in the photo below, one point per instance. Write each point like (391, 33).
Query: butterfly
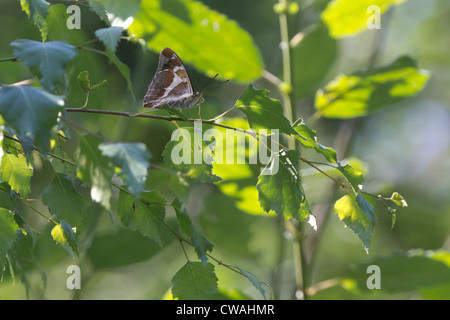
(171, 84)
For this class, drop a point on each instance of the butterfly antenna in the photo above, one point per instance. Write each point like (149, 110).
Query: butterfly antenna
(214, 85)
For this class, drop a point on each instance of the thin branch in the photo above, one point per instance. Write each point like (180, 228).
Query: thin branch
(12, 59)
(37, 150)
(271, 78)
(311, 163)
(93, 50)
(37, 211)
(167, 118)
(77, 126)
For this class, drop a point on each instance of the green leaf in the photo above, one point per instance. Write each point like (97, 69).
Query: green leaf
(64, 235)
(57, 23)
(84, 82)
(17, 173)
(358, 214)
(145, 215)
(8, 228)
(399, 200)
(132, 160)
(63, 200)
(194, 281)
(348, 17)
(99, 85)
(202, 245)
(100, 10)
(123, 70)
(95, 170)
(50, 57)
(191, 156)
(31, 112)
(364, 92)
(110, 37)
(37, 11)
(279, 185)
(354, 176)
(255, 281)
(308, 139)
(262, 111)
(172, 23)
(7, 196)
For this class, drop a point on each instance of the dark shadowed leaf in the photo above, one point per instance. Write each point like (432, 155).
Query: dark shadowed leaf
(279, 185)
(63, 200)
(143, 215)
(31, 112)
(51, 58)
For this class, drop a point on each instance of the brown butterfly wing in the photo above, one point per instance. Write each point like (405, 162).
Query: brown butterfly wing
(170, 84)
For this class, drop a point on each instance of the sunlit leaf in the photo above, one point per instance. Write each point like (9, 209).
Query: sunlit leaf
(235, 153)
(193, 31)
(246, 198)
(194, 281)
(358, 215)
(17, 173)
(64, 235)
(347, 17)
(364, 92)
(399, 200)
(262, 111)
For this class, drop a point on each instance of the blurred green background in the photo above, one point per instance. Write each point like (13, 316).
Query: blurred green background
(406, 147)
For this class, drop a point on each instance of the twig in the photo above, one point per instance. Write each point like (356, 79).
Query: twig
(12, 59)
(37, 150)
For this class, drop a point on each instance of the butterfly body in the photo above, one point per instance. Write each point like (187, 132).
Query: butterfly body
(171, 84)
